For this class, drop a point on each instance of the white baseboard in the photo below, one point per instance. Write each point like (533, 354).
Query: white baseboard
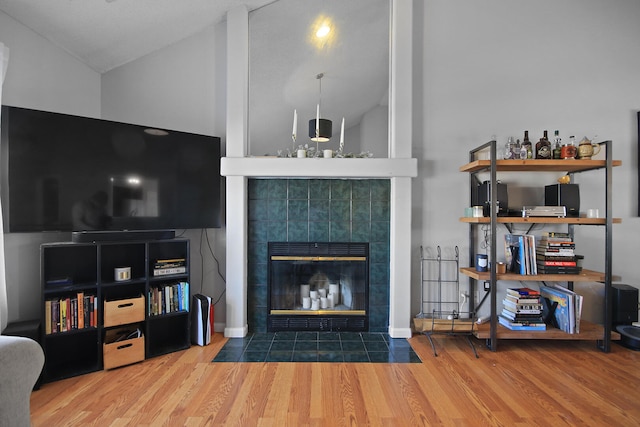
(400, 332)
(236, 332)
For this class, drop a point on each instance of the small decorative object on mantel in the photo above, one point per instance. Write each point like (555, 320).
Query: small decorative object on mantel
(314, 152)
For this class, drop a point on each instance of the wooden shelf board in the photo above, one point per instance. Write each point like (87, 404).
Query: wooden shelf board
(588, 331)
(584, 276)
(567, 166)
(540, 220)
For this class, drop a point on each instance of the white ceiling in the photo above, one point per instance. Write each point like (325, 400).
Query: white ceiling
(105, 34)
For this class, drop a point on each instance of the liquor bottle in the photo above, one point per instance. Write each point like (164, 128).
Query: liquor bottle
(569, 150)
(526, 145)
(557, 145)
(509, 148)
(543, 148)
(522, 150)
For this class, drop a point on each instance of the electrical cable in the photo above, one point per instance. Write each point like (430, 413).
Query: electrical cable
(213, 255)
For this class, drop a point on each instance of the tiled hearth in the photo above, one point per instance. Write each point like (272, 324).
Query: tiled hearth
(318, 210)
(318, 347)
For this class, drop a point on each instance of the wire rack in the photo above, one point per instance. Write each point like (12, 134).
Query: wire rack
(440, 298)
(440, 283)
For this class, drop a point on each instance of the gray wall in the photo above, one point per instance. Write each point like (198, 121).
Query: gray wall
(495, 67)
(499, 67)
(181, 87)
(44, 77)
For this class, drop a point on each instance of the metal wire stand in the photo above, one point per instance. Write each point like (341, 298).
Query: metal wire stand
(442, 303)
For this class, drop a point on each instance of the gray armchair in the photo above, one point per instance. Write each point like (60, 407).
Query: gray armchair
(21, 361)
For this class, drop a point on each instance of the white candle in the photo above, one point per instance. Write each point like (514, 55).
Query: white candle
(323, 302)
(318, 120)
(306, 302)
(334, 288)
(315, 304)
(295, 123)
(313, 294)
(304, 291)
(342, 132)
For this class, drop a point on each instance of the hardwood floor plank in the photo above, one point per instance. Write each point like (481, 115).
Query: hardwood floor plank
(523, 383)
(277, 410)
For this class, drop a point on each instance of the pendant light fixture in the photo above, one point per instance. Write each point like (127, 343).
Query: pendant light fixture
(320, 130)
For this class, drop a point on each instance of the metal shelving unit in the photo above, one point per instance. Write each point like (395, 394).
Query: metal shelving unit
(492, 332)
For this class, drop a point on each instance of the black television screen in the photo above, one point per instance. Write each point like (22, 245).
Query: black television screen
(69, 173)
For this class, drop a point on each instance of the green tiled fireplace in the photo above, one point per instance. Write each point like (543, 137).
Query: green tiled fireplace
(319, 210)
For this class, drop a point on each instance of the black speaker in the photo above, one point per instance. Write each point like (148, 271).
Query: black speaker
(625, 304)
(567, 195)
(483, 198)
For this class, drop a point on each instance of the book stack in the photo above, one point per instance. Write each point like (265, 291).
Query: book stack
(165, 267)
(522, 310)
(563, 308)
(555, 254)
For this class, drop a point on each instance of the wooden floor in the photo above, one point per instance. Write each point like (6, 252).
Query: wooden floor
(523, 383)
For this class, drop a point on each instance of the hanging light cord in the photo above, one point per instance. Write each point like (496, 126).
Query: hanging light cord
(319, 77)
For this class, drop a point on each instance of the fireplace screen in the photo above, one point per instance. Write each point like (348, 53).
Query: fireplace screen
(318, 286)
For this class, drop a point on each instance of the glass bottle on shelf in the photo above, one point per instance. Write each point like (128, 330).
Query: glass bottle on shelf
(569, 150)
(526, 145)
(509, 149)
(522, 150)
(543, 147)
(557, 145)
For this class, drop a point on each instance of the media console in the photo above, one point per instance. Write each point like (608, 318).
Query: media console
(121, 235)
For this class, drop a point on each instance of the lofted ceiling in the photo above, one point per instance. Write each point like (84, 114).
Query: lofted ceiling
(104, 34)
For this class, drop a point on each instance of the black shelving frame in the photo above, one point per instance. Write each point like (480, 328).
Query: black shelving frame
(90, 269)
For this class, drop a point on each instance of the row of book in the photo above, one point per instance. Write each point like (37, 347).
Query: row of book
(522, 310)
(165, 267)
(554, 253)
(563, 308)
(70, 313)
(168, 298)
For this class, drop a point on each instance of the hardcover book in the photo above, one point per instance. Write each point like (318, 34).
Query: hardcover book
(514, 326)
(564, 311)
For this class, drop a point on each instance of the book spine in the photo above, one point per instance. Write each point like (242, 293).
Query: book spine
(47, 317)
(55, 316)
(169, 271)
(558, 263)
(80, 310)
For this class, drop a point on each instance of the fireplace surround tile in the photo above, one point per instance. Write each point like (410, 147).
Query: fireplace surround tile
(318, 231)
(298, 189)
(318, 210)
(340, 231)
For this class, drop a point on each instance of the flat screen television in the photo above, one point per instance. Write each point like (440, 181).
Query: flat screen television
(69, 173)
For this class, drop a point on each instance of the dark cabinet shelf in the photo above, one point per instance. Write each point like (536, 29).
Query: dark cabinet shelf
(72, 271)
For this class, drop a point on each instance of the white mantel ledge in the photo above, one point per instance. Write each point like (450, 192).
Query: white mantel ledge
(280, 167)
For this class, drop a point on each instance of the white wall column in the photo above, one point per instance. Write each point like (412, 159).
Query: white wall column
(400, 142)
(237, 107)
